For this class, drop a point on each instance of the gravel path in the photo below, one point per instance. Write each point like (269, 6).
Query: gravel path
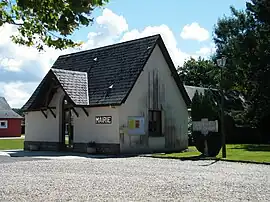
(131, 179)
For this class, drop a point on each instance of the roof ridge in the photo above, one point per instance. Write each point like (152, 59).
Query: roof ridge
(199, 87)
(64, 70)
(110, 46)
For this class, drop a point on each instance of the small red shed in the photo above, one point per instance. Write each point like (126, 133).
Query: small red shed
(10, 121)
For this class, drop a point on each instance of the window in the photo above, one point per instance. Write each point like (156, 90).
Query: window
(3, 124)
(155, 123)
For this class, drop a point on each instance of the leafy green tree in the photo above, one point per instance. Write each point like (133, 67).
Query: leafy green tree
(205, 73)
(244, 38)
(260, 95)
(234, 39)
(260, 10)
(199, 72)
(47, 22)
(18, 111)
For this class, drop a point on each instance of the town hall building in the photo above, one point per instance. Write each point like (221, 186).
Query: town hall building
(122, 98)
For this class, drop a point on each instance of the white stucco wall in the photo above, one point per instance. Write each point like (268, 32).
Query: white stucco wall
(39, 128)
(86, 130)
(174, 109)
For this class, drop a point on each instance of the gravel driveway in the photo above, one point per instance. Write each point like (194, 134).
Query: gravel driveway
(131, 179)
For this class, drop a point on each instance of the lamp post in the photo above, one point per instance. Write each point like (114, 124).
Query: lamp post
(221, 63)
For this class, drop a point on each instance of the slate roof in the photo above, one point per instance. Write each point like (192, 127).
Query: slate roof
(5, 110)
(111, 72)
(192, 89)
(233, 99)
(75, 85)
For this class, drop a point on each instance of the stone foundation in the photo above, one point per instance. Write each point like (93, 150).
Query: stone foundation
(102, 148)
(42, 146)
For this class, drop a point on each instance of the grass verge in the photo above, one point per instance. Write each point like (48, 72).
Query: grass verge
(6, 144)
(235, 152)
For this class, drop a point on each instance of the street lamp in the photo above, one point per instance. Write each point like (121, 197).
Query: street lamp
(221, 63)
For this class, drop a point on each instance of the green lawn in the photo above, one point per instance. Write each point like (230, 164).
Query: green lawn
(6, 144)
(242, 152)
(237, 152)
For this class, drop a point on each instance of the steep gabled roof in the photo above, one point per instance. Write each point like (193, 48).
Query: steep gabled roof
(6, 111)
(109, 72)
(75, 84)
(191, 90)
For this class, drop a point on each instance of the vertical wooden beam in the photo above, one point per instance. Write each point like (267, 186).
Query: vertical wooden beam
(153, 91)
(158, 96)
(163, 94)
(149, 90)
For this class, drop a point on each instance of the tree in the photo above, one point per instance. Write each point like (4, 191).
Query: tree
(203, 106)
(260, 10)
(18, 111)
(205, 73)
(234, 38)
(260, 97)
(199, 72)
(47, 22)
(244, 38)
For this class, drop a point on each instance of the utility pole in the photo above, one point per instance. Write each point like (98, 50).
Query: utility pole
(221, 63)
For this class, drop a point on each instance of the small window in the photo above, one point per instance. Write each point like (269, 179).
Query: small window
(3, 124)
(155, 123)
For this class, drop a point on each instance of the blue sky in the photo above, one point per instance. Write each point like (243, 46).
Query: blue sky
(176, 14)
(186, 27)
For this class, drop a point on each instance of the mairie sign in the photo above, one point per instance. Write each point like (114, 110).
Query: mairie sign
(205, 126)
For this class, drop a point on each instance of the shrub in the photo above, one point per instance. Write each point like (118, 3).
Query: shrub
(204, 106)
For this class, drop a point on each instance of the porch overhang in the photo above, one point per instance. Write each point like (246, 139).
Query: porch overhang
(73, 84)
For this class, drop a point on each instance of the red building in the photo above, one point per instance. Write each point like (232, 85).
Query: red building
(10, 121)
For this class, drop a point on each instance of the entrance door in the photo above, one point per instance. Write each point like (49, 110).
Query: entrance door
(155, 123)
(67, 126)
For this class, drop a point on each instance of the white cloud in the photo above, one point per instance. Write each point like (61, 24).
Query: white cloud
(21, 58)
(194, 31)
(16, 93)
(10, 64)
(206, 51)
(109, 28)
(176, 54)
(22, 68)
(5, 32)
(114, 23)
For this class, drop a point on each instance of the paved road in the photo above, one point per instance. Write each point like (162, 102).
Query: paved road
(130, 179)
